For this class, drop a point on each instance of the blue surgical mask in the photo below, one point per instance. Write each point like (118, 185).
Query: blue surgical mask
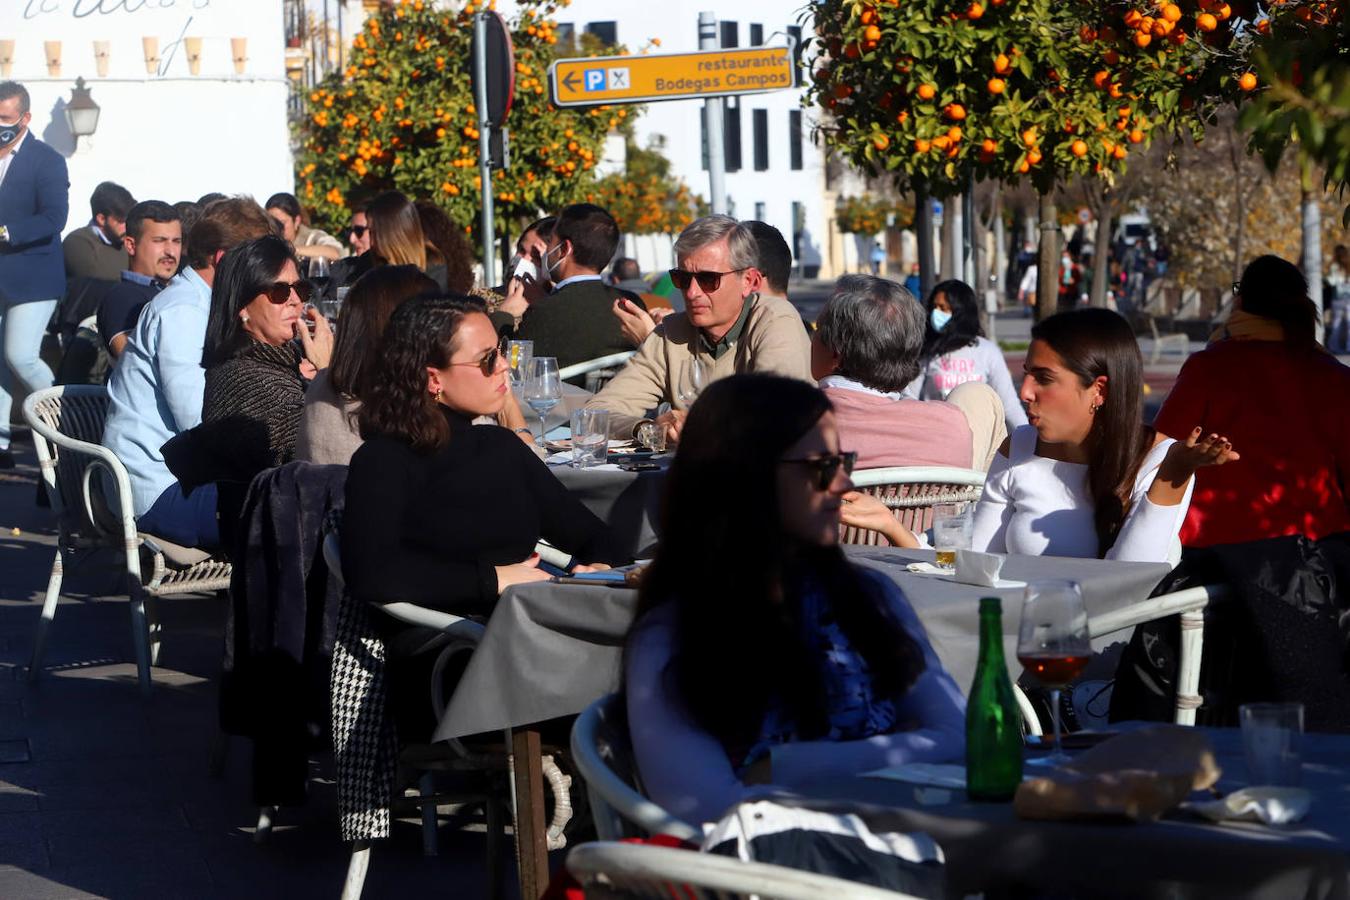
(939, 319)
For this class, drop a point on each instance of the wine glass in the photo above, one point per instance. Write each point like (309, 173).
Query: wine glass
(318, 270)
(543, 388)
(1052, 642)
(699, 374)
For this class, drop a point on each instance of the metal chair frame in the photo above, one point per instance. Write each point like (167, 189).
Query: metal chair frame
(67, 424)
(598, 370)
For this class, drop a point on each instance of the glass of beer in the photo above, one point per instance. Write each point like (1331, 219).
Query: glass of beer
(518, 356)
(951, 532)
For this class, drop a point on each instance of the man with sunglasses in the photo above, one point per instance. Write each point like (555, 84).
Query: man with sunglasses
(729, 323)
(358, 235)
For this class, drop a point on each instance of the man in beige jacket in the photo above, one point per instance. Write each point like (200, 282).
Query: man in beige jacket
(727, 324)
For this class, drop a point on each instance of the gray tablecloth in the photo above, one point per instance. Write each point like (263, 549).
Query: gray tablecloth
(552, 649)
(987, 846)
(630, 502)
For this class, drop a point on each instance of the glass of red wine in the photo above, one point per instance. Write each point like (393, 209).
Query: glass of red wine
(1052, 642)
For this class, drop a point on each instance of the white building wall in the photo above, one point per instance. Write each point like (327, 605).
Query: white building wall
(165, 134)
(768, 195)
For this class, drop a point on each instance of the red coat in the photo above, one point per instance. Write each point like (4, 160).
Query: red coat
(1287, 413)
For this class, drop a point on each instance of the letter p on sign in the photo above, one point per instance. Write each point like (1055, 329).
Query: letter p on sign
(595, 79)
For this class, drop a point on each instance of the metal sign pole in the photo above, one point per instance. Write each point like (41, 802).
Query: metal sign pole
(480, 29)
(713, 119)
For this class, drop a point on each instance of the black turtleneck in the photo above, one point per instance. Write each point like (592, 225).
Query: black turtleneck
(430, 528)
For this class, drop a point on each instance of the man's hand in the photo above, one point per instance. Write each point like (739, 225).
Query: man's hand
(634, 321)
(673, 423)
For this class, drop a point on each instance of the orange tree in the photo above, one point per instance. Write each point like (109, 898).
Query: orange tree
(868, 216)
(645, 198)
(401, 116)
(941, 93)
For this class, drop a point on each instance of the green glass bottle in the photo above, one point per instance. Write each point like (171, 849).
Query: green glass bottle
(993, 722)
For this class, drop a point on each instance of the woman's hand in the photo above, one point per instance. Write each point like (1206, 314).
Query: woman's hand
(591, 567)
(319, 346)
(520, 573)
(516, 301)
(634, 321)
(511, 417)
(865, 511)
(1183, 459)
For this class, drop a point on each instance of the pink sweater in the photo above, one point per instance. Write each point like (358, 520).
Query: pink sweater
(885, 432)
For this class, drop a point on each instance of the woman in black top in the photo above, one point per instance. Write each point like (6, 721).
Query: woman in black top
(255, 372)
(440, 512)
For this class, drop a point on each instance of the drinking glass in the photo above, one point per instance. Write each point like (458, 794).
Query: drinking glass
(590, 437)
(318, 270)
(697, 377)
(951, 532)
(1052, 641)
(652, 436)
(543, 389)
(518, 356)
(1272, 735)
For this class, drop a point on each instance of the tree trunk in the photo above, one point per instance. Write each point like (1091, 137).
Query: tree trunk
(923, 228)
(1312, 239)
(1101, 251)
(949, 258)
(1047, 266)
(1240, 204)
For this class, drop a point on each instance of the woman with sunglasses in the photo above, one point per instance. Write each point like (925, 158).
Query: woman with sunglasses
(440, 512)
(259, 354)
(760, 654)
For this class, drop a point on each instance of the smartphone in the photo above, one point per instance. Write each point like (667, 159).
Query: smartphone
(639, 467)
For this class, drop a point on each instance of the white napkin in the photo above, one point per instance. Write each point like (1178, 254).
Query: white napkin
(972, 567)
(931, 774)
(1268, 805)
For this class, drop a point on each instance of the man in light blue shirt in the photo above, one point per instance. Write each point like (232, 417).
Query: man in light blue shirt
(156, 389)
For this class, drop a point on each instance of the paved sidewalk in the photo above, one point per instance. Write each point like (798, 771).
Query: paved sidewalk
(105, 794)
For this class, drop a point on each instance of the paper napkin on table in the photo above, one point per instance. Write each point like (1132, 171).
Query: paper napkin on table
(1268, 805)
(972, 567)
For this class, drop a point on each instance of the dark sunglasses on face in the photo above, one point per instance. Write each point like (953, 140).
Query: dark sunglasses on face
(708, 281)
(826, 467)
(280, 291)
(488, 364)
(358, 231)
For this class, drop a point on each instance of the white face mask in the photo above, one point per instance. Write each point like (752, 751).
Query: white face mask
(552, 267)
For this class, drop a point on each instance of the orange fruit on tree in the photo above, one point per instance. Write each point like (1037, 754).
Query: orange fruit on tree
(942, 142)
(1206, 22)
(1087, 34)
(1247, 82)
(880, 141)
(1171, 12)
(1068, 127)
(872, 33)
(1161, 28)
(1111, 57)
(852, 51)
(1143, 39)
(1115, 93)
(903, 115)
(1101, 78)
(1029, 137)
(988, 146)
(1136, 137)
(1223, 11)
(922, 146)
(1263, 26)
(955, 111)
(996, 85)
(974, 11)
(1107, 33)
(1002, 65)
(1123, 112)
(1024, 167)
(927, 92)
(1078, 148)
(1146, 23)
(1034, 156)
(1177, 37)
(868, 16)
(1133, 18)
(1119, 152)
(954, 133)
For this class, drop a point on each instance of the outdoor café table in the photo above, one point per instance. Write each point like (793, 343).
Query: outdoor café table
(552, 649)
(629, 502)
(988, 848)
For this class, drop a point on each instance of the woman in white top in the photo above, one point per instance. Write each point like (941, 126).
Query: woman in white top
(956, 351)
(1085, 478)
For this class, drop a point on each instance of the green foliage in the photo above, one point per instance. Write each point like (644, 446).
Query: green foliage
(402, 117)
(865, 215)
(645, 198)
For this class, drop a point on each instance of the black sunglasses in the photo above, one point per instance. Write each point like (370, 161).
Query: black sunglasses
(708, 281)
(358, 231)
(280, 291)
(488, 364)
(826, 467)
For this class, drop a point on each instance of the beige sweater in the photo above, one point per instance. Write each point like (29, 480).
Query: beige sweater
(328, 434)
(773, 340)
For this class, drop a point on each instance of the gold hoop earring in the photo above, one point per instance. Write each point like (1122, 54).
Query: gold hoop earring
(438, 395)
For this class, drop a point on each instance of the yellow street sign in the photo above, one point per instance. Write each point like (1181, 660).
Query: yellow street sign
(670, 76)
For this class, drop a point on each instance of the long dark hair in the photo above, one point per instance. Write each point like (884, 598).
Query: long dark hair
(395, 400)
(244, 272)
(1095, 343)
(735, 578)
(448, 245)
(964, 328)
(366, 312)
(1275, 288)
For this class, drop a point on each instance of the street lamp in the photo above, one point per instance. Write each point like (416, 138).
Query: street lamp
(81, 112)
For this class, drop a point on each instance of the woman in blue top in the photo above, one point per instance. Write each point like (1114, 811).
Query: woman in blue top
(760, 653)
(956, 351)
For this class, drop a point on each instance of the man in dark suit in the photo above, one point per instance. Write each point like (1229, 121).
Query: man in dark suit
(575, 322)
(34, 200)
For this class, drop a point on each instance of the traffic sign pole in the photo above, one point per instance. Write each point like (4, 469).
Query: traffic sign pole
(714, 119)
(480, 28)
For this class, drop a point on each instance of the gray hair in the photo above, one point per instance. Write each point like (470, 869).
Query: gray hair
(11, 89)
(710, 230)
(876, 327)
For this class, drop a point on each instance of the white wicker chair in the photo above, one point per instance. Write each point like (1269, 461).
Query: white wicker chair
(618, 809)
(610, 870)
(67, 423)
(598, 370)
(911, 492)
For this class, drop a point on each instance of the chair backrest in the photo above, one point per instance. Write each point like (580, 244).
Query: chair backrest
(635, 870)
(592, 365)
(603, 756)
(67, 423)
(911, 492)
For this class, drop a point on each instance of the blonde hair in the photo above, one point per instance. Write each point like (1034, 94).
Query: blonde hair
(396, 231)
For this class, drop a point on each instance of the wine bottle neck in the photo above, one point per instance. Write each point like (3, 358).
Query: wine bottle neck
(991, 638)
